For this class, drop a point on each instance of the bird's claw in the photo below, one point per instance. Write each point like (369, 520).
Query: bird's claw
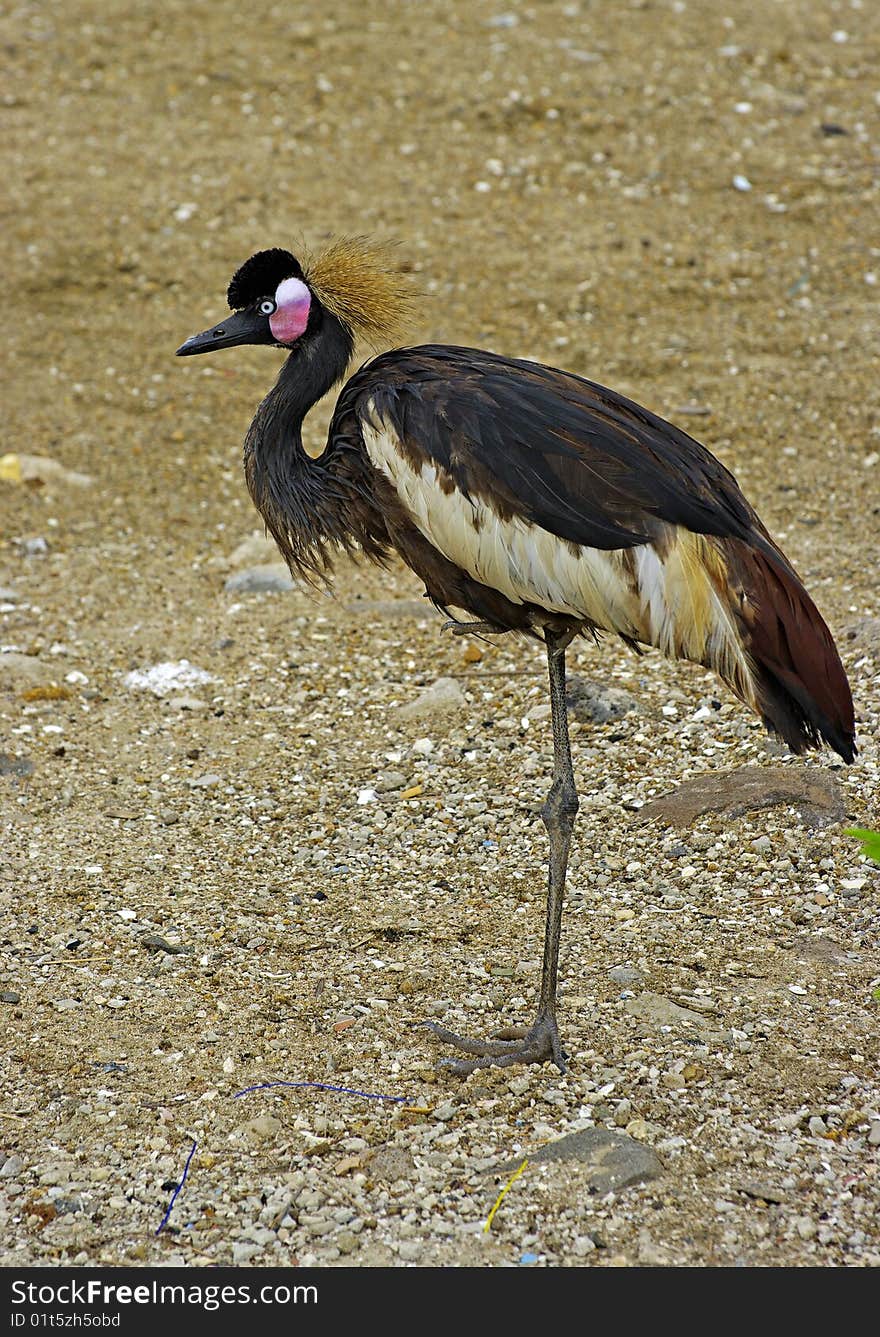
(470, 628)
(539, 1044)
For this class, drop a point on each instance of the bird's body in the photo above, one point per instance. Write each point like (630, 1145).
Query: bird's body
(535, 501)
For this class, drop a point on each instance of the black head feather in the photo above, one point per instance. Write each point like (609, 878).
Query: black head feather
(260, 275)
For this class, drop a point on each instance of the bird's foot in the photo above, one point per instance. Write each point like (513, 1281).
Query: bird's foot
(471, 628)
(539, 1044)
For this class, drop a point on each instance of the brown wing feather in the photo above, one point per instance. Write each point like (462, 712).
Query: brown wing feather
(802, 689)
(574, 457)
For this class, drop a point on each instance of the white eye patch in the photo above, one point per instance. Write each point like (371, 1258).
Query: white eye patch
(293, 302)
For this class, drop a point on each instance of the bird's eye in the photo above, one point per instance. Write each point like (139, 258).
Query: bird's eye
(267, 306)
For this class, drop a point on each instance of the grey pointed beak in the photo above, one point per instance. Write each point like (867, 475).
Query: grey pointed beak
(240, 327)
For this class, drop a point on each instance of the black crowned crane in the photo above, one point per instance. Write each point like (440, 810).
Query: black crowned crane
(536, 501)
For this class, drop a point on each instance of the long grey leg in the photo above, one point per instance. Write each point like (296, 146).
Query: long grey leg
(558, 815)
(541, 1041)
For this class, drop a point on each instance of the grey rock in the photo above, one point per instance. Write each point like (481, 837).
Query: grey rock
(594, 702)
(272, 578)
(154, 943)
(390, 1163)
(244, 1252)
(763, 1192)
(874, 1133)
(207, 781)
(8, 595)
(55, 1173)
(654, 1007)
(387, 781)
(261, 1235)
(12, 1166)
(10, 996)
(815, 795)
(63, 1206)
(17, 766)
(805, 1226)
(625, 975)
(256, 550)
(264, 1128)
(824, 951)
(392, 610)
(610, 1161)
(443, 695)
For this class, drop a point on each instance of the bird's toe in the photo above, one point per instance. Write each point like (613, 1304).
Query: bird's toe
(539, 1044)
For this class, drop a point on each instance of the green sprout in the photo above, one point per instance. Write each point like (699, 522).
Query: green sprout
(870, 841)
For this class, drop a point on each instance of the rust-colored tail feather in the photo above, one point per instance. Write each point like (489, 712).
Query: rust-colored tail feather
(801, 687)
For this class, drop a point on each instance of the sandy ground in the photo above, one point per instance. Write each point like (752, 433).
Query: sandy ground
(679, 200)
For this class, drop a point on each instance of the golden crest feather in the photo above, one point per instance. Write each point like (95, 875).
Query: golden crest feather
(358, 280)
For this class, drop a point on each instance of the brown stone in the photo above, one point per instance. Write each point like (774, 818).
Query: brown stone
(815, 794)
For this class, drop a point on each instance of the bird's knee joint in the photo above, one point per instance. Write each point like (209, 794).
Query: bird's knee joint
(561, 808)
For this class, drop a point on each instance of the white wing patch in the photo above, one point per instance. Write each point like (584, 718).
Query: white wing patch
(525, 562)
(669, 600)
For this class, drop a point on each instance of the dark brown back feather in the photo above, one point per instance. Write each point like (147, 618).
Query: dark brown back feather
(574, 457)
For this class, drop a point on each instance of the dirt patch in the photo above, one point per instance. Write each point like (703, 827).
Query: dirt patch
(675, 203)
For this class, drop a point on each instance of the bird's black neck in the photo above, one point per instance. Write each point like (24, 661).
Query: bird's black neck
(309, 505)
(308, 373)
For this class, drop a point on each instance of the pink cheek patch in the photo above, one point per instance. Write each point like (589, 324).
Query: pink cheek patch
(289, 320)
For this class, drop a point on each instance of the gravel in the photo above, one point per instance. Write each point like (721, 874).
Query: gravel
(738, 1046)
